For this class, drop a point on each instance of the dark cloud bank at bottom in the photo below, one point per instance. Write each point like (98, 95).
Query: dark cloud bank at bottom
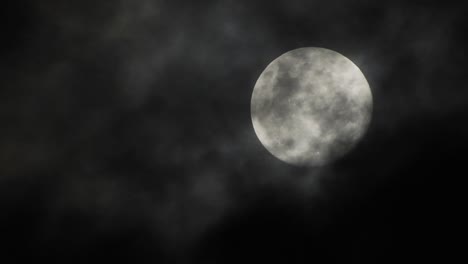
(126, 134)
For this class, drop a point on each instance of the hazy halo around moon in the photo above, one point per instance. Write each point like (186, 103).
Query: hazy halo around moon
(311, 106)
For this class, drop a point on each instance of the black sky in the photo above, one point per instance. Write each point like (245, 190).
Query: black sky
(126, 134)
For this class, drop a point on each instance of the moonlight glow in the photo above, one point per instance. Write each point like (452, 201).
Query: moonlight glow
(310, 106)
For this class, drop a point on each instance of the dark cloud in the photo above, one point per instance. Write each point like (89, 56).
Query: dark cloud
(126, 133)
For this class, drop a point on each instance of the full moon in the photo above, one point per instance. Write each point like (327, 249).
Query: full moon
(311, 106)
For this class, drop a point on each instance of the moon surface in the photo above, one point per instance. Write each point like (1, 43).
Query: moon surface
(311, 106)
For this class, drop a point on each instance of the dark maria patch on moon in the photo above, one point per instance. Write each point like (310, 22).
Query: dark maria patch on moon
(310, 106)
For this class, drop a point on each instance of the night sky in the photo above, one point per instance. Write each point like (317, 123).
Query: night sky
(126, 135)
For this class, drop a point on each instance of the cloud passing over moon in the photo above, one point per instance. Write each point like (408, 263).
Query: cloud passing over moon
(310, 106)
